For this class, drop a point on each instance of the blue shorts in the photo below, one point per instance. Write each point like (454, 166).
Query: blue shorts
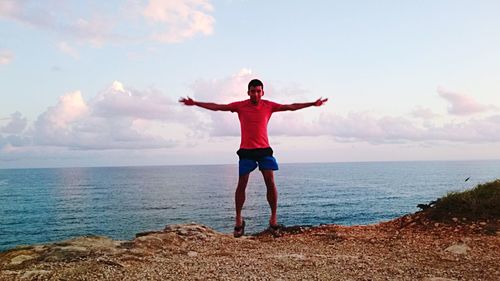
(264, 163)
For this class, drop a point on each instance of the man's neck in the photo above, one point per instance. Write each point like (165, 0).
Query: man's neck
(256, 102)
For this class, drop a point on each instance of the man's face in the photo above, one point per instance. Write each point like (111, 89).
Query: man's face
(255, 94)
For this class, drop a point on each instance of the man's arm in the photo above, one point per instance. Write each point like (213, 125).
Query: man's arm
(296, 106)
(207, 105)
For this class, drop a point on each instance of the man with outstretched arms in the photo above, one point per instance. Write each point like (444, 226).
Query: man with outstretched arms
(254, 114)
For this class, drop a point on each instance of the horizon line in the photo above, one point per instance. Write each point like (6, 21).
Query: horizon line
(227, 164)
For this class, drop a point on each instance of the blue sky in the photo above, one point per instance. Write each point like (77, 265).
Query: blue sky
(91, 83)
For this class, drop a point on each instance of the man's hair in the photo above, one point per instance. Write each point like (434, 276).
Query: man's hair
(255, 83)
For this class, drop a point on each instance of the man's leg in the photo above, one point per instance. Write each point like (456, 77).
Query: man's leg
(272, 195)
(239, 197)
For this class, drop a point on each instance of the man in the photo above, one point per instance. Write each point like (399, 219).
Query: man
(254, 114)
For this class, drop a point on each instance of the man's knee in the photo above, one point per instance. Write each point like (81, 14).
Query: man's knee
(241, 188)
(268, 177)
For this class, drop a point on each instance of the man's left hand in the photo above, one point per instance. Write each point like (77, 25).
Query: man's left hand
(320, 102)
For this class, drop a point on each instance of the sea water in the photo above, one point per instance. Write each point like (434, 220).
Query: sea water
(44, 205)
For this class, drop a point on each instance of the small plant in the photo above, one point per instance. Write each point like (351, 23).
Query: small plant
(480, 202)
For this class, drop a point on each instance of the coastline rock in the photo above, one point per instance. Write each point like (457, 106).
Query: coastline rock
(390, 250)
(192, 231)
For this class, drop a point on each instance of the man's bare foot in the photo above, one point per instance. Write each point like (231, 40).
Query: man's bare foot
(276, 230)
(239, 230)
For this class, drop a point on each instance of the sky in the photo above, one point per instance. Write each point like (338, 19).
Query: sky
(97, 83)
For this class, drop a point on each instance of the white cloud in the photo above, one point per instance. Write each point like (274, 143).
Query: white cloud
(224, 90)
(6, 57)
(386, 129)
(64, 18)
(116, 118)
(16, 125)
(67, 49)
(424, 113)
(13, 142)
(54, 126)
(30, 12)
(126, 119)
(479, 130)
(10, 8)
(97, 31)
(70, 108)
(421, 125)
(179, 20)
(461, 104)
(170, 21)
(294, 124)
(118, 101)
(362, 126)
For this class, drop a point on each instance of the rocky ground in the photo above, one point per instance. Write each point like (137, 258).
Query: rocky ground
(408, 248)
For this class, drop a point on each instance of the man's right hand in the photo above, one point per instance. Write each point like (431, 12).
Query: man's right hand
(206, 105)
(187, 101)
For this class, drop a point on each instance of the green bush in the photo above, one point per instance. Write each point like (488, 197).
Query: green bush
(480, 202)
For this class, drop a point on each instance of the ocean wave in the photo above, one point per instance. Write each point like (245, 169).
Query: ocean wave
(160, 208)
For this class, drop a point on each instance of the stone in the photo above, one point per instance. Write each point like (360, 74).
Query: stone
(459, 249)
(138, 252)
(79, 249)
(192, 254)
(21, 258)
(438, 279)
(289, 256)
(34, 273)
(10, 272)
(191, 231)
(150, 240)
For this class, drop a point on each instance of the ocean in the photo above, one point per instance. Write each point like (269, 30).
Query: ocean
(46, 205)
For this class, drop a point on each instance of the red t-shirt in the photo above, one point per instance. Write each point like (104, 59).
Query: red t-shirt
(253, 122)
